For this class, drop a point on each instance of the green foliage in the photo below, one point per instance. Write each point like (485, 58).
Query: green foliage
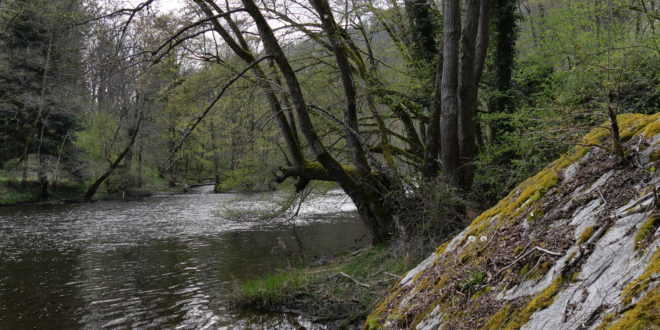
(573, 61)
(473, 281)
(40, 86)
(376, 258)
(601, 52)
(93, 141)
(12, 191)
(271, 291)
(248, 179)
(324, 292)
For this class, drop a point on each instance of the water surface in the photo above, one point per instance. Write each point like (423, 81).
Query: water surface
(160, 262)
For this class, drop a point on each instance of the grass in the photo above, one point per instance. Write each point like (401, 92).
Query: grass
(12, 193)
(339, 293)
(66, 189)
(271, 291)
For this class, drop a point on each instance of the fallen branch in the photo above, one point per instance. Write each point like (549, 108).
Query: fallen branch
(536, 248)
(354, 280)
(391, 274)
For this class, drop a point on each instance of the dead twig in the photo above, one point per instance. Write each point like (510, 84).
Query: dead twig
(354, 280)
(391, 274)
(536, 248)
(601, 196)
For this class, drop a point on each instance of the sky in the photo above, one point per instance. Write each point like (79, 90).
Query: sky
(168, 5)
(164, 5)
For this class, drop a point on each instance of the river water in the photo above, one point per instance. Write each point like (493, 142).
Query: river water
(159, 262)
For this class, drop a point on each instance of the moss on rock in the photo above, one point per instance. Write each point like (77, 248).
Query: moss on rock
(645, 231)
(641, 284)
(449, 288)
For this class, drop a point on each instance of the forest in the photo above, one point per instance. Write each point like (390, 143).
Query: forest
(423, 113)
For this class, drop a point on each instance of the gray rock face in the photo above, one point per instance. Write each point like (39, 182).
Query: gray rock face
(565, 258)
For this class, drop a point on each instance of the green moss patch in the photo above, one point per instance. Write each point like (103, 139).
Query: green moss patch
(646, 230)
(542, 300)
(644, 315)
(586, 235)
(641, 284)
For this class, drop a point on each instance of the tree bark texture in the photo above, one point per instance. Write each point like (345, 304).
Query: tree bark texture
(467, 91)
(450, 153)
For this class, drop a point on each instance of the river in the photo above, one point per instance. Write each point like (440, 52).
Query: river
(159, 262)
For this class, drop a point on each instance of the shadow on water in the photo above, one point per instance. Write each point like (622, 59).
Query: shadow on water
(165, 261)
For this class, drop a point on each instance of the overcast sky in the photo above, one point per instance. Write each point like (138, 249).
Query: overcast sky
(168, 5)
(165, 5)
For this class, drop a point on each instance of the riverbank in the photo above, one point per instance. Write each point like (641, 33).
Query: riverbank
(13, 192)
(338, 292)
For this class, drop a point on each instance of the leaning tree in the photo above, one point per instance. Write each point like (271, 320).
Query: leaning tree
(387, 132)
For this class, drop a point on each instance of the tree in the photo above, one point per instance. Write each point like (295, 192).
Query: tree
(377, 134)
(40, 80)
(458, 88)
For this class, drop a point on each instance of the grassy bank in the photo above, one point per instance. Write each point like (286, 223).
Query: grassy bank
(13, 192)
(339, 293)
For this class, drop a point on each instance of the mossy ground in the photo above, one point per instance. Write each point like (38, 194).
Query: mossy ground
(644, 315)
(322, 293)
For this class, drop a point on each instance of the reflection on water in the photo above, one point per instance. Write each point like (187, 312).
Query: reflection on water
(165, 261)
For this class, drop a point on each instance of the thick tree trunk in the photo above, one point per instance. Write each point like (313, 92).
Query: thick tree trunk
(482, 39)
(467, 93)
(432, 146)
(370, 206)
(350, 113)
(449, 122)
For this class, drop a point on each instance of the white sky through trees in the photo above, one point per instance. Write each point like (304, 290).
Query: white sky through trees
(171, 5)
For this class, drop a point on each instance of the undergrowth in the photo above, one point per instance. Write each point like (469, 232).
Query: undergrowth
(339, 293)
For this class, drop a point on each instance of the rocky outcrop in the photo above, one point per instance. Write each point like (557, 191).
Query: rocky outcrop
(575, 246)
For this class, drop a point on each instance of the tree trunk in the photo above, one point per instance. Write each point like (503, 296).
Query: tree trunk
(449, 124)
(467, 93)
(432, 146)
(216, 159)
(26, 164)
(371, 208)
(139, 169)
(41, 169)
(350, 113)
(42, 174)
(91, 191)
(240, 47)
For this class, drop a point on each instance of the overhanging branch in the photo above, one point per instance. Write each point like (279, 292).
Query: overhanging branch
(193, 125)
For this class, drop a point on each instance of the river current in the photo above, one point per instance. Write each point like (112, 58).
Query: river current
(160, 262)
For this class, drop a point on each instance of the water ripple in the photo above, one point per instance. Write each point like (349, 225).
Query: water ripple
(161, 262)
